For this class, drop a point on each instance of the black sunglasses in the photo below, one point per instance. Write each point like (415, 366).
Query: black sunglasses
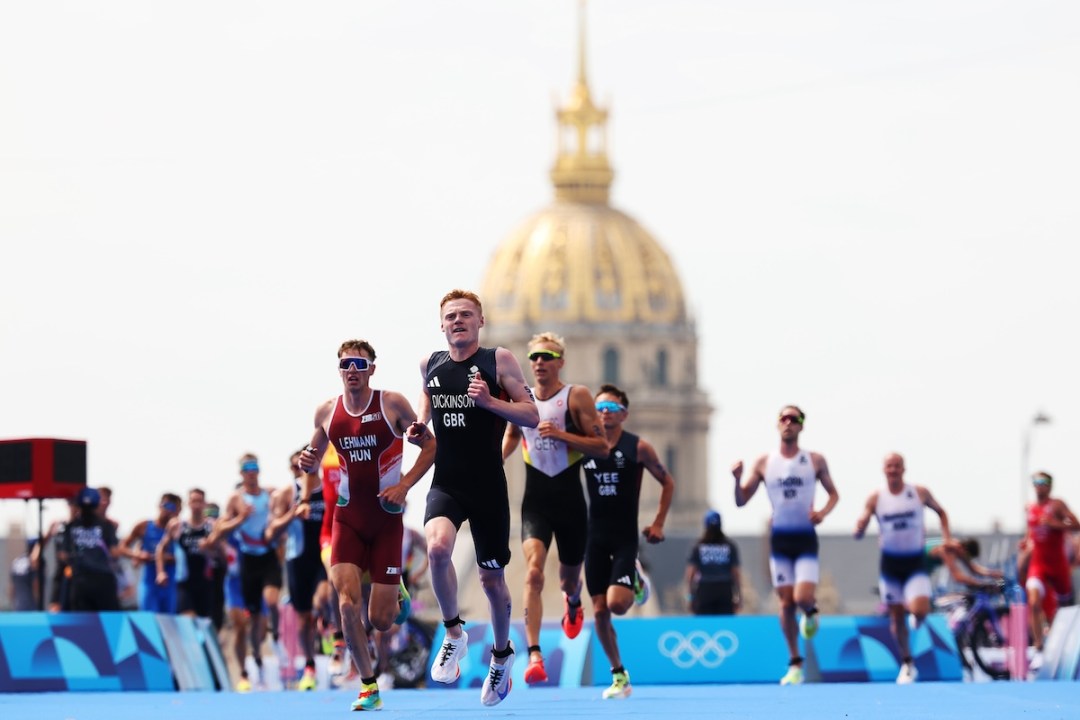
(791, 418)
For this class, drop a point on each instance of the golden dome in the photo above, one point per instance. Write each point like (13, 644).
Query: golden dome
(581, 262)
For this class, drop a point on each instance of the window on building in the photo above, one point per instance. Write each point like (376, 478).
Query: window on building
(611, 366)
(661, 368)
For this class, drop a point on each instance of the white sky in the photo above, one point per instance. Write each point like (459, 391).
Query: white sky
(873, 208)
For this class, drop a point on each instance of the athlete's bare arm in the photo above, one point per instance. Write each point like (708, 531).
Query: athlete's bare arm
(236, 511)
(647, 456)
(311, 456)
(128, 546)
(822, 469)
(520, 409)
(592, 442)
(1063, 518)
(864, 517)
(172, 531)
(282, 512)
(959, 565)
(929, 501)
(423, 408)
(511, 440)
(401, 416)
(745, 490)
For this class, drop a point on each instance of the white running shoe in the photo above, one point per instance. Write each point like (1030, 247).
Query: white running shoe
(445, 669)
(498, 683)
(908, 674)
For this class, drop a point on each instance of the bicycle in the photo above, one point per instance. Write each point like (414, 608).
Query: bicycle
(409, 648)
(977, 619)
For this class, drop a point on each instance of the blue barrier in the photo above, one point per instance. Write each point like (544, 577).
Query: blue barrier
(720, 649)
(685, 650)
(82, 651)
(862, 649)
(108, 651)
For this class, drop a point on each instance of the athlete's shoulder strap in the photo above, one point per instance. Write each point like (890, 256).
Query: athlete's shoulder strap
(437, 358)
(485, 360)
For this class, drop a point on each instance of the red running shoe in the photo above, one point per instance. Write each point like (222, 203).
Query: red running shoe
(535, 672)
(573, 618)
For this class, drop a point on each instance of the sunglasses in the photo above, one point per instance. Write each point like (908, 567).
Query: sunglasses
(546, 355)
(359, 364)
(1040, 481)
(249, 466)
(609, 406)
(791, 419)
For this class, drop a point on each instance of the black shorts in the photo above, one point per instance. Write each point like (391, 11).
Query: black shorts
(305, 574)
(567, 522)
(792, 546)
(258, 572)
(488, 516)
(900, 568)
(609, 563)
(714, 598)
(195, 595)
(93, 592)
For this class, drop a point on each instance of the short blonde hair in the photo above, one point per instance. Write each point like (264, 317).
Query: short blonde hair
(551, 339)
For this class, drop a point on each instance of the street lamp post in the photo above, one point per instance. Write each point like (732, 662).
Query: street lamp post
(1040, 418)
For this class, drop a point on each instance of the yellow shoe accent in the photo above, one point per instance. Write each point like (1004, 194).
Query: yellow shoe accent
(369, 698)
(793, 676)
(243, 685)
(620, 686)
(308, 680)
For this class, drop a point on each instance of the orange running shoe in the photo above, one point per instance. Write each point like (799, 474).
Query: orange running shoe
(573, 618)
(535, 672)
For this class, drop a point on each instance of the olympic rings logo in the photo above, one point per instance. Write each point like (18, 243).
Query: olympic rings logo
(698, 647)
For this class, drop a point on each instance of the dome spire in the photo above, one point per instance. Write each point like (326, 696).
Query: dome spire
(581, 172)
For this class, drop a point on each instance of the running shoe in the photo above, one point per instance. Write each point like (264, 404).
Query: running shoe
(808, 624)
(369, 698)
(573, 618)
(445, 669)
(243, 685)
(498, 683)
(908, 674)
(620, 686)
(641, 584)
(793, 676)
(535, 672)
(308, 681)
(1034, 663)
(336, 666)
(405, 603)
